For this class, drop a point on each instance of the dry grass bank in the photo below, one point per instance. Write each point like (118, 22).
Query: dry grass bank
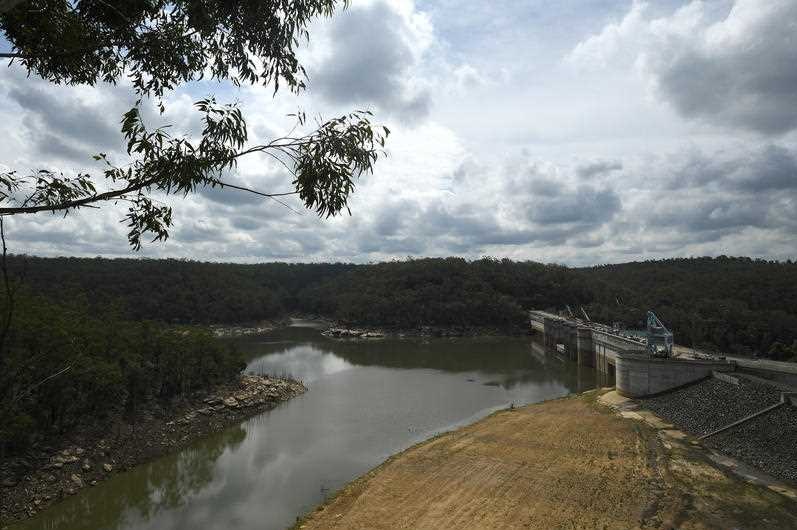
(568, 463)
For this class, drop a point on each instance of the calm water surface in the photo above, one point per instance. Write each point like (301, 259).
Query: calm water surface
(365, 401)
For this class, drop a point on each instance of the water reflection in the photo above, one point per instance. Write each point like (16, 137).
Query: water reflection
(163, 486)
(366, 400)
(303, 362)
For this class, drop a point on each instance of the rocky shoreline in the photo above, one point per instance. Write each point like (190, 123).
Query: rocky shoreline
(45, 475)
(241, 330)
(340, 330)
(352, 330)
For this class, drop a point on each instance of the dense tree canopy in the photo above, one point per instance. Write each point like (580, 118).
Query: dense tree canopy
(94, 317)
(158, 45)
(65, 365)
(735, 305)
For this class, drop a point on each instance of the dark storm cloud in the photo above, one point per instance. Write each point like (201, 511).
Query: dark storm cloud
(559, 209)
(370, 61)
(391, 217)
(771, 167)
(471, 224)
(584, 205)
(245, 223)
(745, 76)
(397, 246)
(718, 214)
(59, 125)
(197, 231)
(230, 196)
(707, 197)
(599, 167)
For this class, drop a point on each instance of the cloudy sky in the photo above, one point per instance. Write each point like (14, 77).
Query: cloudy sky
(579, 132)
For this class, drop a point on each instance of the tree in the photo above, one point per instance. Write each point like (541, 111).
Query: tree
(159, 45)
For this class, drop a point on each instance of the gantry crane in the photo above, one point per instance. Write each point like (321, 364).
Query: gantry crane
(660, 339)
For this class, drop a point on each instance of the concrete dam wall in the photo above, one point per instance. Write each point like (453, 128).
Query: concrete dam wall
(624, 357)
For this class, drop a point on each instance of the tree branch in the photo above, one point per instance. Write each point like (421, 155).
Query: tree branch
(9, 293)
(250, 190)
(40, 383)
(8, 5)
(108, 195)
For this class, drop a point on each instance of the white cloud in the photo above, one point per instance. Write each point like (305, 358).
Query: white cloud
(497, 147)
(733, 71)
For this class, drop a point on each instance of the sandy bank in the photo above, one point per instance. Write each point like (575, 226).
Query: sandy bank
(569, 463)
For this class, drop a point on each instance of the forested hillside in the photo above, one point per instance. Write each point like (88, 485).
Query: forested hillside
(736, 305)
(442, 292)
(175, 291)
(63, 365)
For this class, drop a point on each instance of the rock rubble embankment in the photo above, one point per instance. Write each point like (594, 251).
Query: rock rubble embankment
(766, 442)
(711, 404)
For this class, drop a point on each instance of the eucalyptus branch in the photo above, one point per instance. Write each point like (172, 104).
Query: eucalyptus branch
(323, 165)
(78, 203)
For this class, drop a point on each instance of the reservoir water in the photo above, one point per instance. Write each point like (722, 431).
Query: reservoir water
(365, 401)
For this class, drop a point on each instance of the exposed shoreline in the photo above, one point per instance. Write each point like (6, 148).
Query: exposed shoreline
(248, 328)
(339, 329)
(92, 454)
(579, 461)
(349, 330)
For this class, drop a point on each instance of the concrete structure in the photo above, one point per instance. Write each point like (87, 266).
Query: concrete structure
(621, 356)
(642, 375)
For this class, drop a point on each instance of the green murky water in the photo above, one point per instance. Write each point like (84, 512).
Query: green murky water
(366, 401)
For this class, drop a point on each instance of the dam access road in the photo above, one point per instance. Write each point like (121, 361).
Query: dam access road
(566, 463)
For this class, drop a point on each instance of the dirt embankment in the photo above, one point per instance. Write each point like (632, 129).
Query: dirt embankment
(44, 475)
(569, 463)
